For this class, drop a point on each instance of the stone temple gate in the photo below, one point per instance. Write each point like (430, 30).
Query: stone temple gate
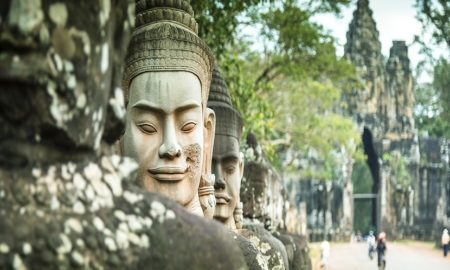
(371, 198)
(416, 206)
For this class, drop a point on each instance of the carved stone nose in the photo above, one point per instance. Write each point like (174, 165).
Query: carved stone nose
(170, 152)
(219, 183)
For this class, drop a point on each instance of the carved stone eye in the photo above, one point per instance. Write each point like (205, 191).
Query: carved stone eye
(188, 127)
(146, 128)
(230, 169)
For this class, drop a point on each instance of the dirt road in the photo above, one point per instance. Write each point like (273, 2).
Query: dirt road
(400, 256)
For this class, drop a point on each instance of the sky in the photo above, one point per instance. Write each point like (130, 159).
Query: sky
(395, 20)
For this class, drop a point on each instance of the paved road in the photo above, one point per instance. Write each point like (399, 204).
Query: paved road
(411, 256)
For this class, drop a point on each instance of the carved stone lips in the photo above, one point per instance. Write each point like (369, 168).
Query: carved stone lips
(222, 198)
(168, 173)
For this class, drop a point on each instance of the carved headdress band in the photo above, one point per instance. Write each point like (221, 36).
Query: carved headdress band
(165, 39)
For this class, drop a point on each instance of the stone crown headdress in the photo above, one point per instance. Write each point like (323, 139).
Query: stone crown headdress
(228, 119)
(165, 39)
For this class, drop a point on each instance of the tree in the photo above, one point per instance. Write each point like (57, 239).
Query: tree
(432, 110)
(218, 20)
(288, 92)
(435, 14)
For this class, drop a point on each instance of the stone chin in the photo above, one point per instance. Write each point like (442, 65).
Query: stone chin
(182, 191)
(222, 212)
(224, 207)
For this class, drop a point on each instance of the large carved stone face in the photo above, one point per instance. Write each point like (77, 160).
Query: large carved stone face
(254, 191)
(165, 133)
(227, 166)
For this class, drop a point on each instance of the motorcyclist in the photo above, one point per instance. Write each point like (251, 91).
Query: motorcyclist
(381, 250)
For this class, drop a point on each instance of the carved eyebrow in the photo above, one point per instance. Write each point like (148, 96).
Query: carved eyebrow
(189, 104)
(230, 158)
(150, 106)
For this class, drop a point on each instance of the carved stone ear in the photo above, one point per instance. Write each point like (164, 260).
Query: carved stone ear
(208, 136)
(241, 165)
(206, 187)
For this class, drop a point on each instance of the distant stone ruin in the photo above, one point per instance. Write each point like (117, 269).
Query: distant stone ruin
(410, 194)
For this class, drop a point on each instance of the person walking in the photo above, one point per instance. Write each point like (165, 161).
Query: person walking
(445, 239)
(371, 244)
(324, 253)
(381, 250)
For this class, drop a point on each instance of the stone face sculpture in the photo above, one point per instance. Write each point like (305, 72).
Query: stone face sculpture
(227, 166)
(227, 161)
(63, 205)
(255, 196)
(169, 130)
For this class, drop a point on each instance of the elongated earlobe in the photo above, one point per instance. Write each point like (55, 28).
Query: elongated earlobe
(206, 188)
(241, 165)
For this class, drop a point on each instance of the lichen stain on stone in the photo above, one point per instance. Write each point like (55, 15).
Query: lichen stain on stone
(66, 244)
(104, 12)
(110, 244)
(98, 224)
(58, 14)
(77, 258)
(84, 37)
(63, 43)
(117, 103)
(79, 182)
(104, 63)
(58, 108)
(18, 263)
(78, 207)
(73, 225)
(193, 156)
(131, 197)
(26, 249)
(157, 209)
(27, 16)
(170, 214)
(4, 248)
(44, 35)
(114, 183)
(264, 247)
(262, 261)
(93, 172)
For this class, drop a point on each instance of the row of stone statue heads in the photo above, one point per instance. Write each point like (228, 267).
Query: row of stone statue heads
(65, 203)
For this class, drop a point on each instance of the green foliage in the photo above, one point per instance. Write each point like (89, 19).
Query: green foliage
(441, 82)
(362, 220)
(432, 109)
(432, 102)
(288, 91)
(299, 48)
(435, 14)
(257, 112)
(218, 20)
(398, 165)
(361, 177)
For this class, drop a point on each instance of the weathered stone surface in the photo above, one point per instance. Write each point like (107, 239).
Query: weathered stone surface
(102, 220)
(296, 249)
(64, 205)
(253, 256)
(432, 190)
(271, 248)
